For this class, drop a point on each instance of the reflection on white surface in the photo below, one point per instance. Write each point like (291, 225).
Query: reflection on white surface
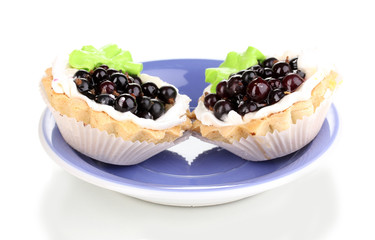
(303, 209)
(199, 147)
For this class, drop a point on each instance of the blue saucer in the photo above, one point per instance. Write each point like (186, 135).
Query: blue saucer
(173, 181)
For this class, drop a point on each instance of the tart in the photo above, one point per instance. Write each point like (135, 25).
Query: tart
(107, 109)
(263, 107)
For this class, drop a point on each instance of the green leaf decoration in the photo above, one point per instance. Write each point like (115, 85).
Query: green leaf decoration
(233, 63)
(88, 57)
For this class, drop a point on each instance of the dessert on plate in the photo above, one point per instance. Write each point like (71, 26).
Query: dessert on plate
(261, 107)
(107, 109)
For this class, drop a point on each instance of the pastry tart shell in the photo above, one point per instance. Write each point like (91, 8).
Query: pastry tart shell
(277, 134)
(99, 136)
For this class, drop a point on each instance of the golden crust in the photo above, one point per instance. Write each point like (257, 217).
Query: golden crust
(274, 122)
(127, 130)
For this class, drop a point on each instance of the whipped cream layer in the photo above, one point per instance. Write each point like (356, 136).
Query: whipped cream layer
(314, 75)
(63, 83)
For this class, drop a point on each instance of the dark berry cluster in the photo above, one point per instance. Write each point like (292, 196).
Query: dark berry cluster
(255, 87)
(124, 92)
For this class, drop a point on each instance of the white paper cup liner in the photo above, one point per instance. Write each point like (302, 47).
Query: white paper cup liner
(106, 147)
(277, 144)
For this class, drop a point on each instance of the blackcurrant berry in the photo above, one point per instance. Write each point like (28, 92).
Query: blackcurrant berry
(144, 103)
(291, 82)
(125, 102)
(144, 114)
(120, 80)
(275, 96)
(81, 74)
(269, 62)
(300, 73)
(111, 71)
(248, 76)
(104, 66)
(293, 63)
(107, 87)
(267, 73)
(107, 99)
(150, 89)
(99, 75)
(258, 89)
(280, 69)
(90, 94)
(137, 80)
(222, 89)
(167, 94)
(274, 83)
(246, 106)
(134, 90)
(157, 108)
(222, 108)
(259, 70)
(235, 86)
(82, 84)
(210, 100)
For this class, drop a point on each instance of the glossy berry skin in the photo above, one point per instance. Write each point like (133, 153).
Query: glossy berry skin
(81, 74)
(82, 84)
(275, 96)
(258, 89)
(111, 71)
(144, 114)
(90, 94)
(234, 75)
(144, 103)
(280, 69)
(130, 79)
(259, 70)
(134, 90)
(157, 109)
(99, 74)
(137, 80)
(293, 63)
(150, 89)
(246, 107)
(222, 89)
(300, 73)
(106, 87)
(125, 103)
(120, 81)
(269, 62)
(235, 86)
(291, 82)
(210, 100)
(105, 67)
(167, 94)
(236, 100)
(267, 73)
(274, 83)
(248, 76)
(222, 108)
(240, 72)
(107, 99)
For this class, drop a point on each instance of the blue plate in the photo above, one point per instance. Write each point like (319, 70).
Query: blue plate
(215, 176)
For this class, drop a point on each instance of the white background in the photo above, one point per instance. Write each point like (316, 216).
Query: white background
(39, 200)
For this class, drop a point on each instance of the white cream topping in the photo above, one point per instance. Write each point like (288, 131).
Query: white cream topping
(63, 83)
(314, 75)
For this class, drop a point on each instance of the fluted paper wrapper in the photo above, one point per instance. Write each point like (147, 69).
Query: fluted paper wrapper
(278, 144)
(106, 147)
